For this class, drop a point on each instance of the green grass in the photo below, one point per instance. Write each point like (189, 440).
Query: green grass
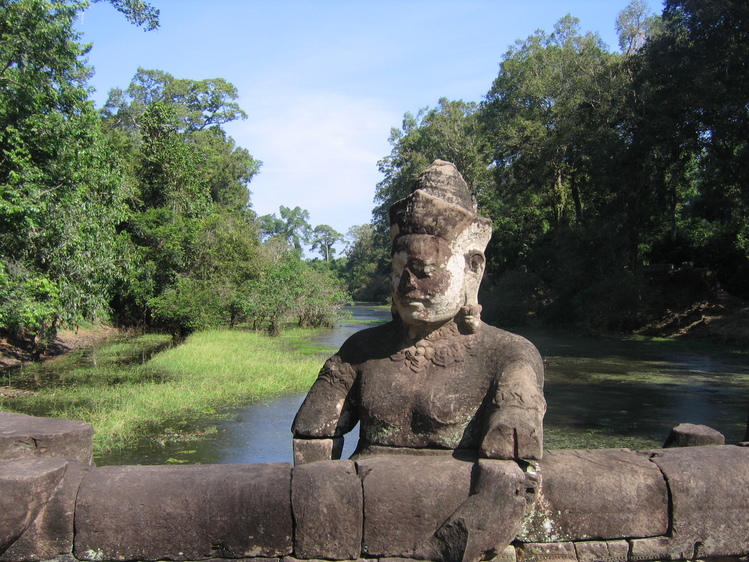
(209, 374)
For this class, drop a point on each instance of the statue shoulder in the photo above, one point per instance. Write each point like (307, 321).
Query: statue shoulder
(369, 343)
(509, 345)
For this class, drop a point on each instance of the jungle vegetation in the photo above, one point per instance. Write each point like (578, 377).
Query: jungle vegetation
(601, 169)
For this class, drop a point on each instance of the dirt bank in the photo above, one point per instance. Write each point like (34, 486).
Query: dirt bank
(723, 320)
(66, 340)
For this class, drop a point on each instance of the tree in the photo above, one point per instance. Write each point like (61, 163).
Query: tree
(199, 104)
(323, 238)
(224, 255)
(693, 81)
(188, 176)
(367, 265)
(61, 195)
(574, 215)
(634, 26)
(137, 12)
(293, 227)
(288, 288)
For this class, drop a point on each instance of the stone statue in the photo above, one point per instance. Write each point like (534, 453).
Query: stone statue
(436, 378)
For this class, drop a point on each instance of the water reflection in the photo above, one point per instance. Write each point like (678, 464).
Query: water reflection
(600, 393)
(610, 393)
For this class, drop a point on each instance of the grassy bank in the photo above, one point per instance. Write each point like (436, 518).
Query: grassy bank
(210, 373)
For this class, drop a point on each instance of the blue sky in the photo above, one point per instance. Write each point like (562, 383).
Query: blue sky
(323, 81)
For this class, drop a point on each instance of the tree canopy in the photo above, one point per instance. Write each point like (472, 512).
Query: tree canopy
(598, 168)
(137, 214)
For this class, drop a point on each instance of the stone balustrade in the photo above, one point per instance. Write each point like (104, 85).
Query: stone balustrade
(680, 503)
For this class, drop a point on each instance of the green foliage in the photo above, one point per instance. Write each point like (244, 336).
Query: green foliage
(197, 104)
(693, 81)
(367, 266)
(137, 12)
(293, 227)
(60, 194)
(291, 288)
(323, 238)
(30, 306)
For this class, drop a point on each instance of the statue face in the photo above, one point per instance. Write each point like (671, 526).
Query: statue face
(427, 280)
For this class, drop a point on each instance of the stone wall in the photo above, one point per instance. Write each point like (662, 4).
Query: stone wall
(598, 505)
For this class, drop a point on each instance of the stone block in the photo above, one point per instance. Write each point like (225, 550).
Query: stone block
(653, 548)
(50, 535)
(710, 497)
(509, 554)
(406, 499)
(691, 435)
(314, 450)
(292, 559)
(23, 436)
(490, 518)
(602, 551)
(26, 485)
(549, 552)
(184, 512)
(597, 495)
(327, 502)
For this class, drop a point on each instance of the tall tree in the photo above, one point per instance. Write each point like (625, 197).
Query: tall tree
(293, 227)
(693, 78)
(60, 190)
(186, 172)
(323, 238)
(558, 122)
(198, 104)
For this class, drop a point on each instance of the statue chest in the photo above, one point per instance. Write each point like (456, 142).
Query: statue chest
(405, 402)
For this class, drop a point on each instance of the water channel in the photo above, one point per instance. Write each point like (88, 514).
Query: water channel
(601, 393)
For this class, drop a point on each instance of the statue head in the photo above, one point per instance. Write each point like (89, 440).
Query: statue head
(438, 244)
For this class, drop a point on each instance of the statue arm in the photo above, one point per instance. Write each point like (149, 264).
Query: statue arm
(513, 422)
(328, 412)
(488, 520)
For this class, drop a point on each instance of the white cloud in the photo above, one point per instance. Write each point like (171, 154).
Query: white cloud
(319, 151)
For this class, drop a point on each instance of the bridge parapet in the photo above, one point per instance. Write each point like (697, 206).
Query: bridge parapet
(612, 505)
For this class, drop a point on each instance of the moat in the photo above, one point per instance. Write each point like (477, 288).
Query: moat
(601, 393)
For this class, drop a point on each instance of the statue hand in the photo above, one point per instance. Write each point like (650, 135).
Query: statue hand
(514, 433)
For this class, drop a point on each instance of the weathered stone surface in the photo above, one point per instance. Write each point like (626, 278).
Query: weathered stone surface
(50, 535)
(490, 518)
(597, 494)
(549, 552)
(292, 559)
(26, 485)
(313, 450)
(23, 436)
(691, 435)
(436, 376)
(509, 554)
(185, 512)
(710, 497)
(653, 548)
(406, 501)
(327, 501)
(602, 551)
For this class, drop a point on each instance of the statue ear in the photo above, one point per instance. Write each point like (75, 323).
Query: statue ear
(475, 264)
